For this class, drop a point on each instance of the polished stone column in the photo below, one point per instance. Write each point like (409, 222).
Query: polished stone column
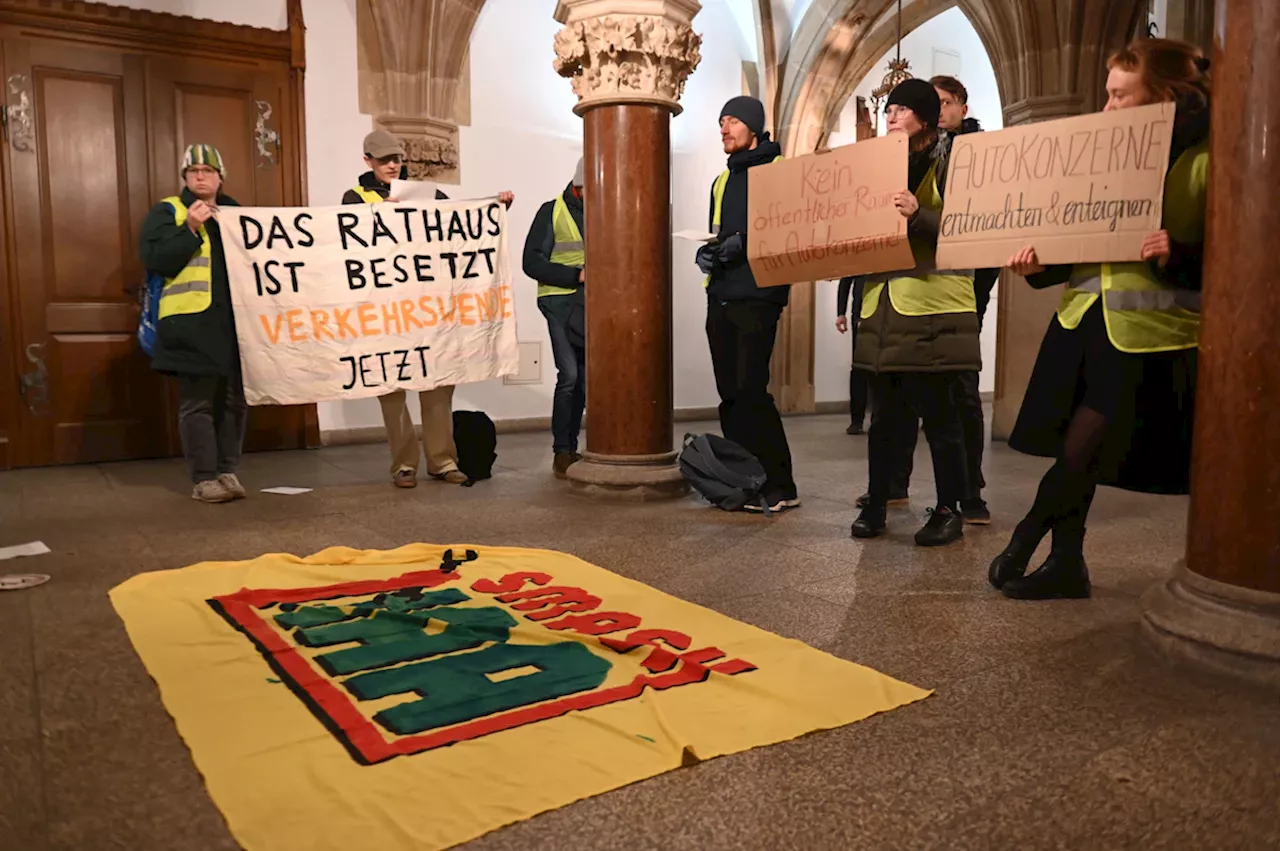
(628, 60)
(1222, 606)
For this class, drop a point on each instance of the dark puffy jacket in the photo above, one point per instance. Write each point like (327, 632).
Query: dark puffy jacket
(195, 343)
(733, 280)
(890, 342)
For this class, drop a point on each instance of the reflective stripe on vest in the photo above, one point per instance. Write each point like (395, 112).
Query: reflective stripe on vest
(569, 248)
(717, 205)
(924, 290)
(368, 195)
(191, 290)
(1143, 314)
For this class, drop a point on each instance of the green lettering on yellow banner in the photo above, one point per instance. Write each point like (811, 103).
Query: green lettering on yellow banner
(461, 688)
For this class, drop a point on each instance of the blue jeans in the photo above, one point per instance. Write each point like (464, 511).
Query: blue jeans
(570, 355)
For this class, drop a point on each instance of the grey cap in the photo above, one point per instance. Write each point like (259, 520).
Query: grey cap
(380, 143)
(580, 175)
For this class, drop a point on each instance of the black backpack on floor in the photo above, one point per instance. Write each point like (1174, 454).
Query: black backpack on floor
(477, 443)
(727, 476)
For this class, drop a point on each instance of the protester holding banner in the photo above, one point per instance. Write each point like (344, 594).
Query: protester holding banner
(196, 335)
(742, 318)
(954, 121)
(554, 256)
(919, 334)
(1111, 396)
(384, 155)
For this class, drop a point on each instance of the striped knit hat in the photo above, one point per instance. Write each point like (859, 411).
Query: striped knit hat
(202, 155)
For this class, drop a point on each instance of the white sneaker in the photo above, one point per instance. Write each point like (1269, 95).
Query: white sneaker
(211, 491)
(233, 486)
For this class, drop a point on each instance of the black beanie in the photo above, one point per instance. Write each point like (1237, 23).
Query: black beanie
(748, 110)
(920, 97)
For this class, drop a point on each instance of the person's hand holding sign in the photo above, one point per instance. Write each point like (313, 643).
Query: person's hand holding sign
(199, 213)
(1025, 263)
(906, 202)
(1156, 247)
(507, 198)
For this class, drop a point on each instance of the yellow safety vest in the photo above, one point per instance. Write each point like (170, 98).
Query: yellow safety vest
(191, 290)
(717, 196)
(1142, 313)
(569, 249)
(368, 195)
(924, 290)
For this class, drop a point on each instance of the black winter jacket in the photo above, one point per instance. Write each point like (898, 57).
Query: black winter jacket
(541, 241)
(734, 280)
(195, 343)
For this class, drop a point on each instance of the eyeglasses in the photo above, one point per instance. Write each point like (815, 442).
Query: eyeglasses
(202, 170)
(394, 158)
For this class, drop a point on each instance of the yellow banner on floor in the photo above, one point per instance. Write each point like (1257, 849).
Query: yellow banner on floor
(421, 697)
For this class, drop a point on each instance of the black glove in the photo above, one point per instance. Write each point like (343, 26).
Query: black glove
(707, 258)
(732, 250)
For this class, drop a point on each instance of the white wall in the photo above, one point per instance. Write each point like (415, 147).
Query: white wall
(951, 32)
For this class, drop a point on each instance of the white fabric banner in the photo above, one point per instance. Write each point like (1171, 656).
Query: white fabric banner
(356, 301)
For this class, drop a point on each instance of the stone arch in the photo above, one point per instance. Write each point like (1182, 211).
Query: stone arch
(1047, 54)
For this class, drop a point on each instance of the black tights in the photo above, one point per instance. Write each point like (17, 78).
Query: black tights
(1067, 490)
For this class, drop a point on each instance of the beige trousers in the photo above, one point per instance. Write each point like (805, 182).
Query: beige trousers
(437, 431)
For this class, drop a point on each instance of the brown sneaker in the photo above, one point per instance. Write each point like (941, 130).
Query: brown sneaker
(233, 486)
(453, 477)
(405, 479)
(212, 491)
(562, 462)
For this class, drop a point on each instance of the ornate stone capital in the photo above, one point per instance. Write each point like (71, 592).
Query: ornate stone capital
(430, 147)
(627, 51)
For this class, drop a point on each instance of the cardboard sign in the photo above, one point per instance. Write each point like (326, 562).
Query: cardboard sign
(1080, 190)
(362, 300)
(829, 215)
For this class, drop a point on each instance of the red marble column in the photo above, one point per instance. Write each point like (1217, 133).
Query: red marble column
(627, 149)
(1222, 607)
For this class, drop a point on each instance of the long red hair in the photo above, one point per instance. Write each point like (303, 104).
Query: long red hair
(1168, 68)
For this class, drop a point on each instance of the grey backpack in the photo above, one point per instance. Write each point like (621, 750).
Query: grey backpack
(726, 475)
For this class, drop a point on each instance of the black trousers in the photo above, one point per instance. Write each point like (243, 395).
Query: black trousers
(857, 397)
(900, 398)
(741, 335)
(969, 405)
(904, 445)
(858, 390)
(969, 402)
(212, 418)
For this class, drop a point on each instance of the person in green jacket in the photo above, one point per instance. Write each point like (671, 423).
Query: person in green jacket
(196, 335)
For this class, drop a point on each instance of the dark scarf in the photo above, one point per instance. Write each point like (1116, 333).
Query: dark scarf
(1190, 123)
(765, 152)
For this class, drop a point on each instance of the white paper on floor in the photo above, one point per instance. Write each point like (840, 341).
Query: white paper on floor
(35, 548)
(18, 581)
(287, 491)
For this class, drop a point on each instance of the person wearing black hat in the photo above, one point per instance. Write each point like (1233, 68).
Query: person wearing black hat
(742, 318)
(919, 334)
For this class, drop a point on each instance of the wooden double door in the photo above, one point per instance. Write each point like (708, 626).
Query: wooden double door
(93, 138)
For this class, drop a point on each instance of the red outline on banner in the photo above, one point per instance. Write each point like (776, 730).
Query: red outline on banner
(361, 736)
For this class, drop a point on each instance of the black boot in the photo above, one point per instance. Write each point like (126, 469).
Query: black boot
(945, 525)
(1013, 562)
(1063, 576)
(870, 523)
